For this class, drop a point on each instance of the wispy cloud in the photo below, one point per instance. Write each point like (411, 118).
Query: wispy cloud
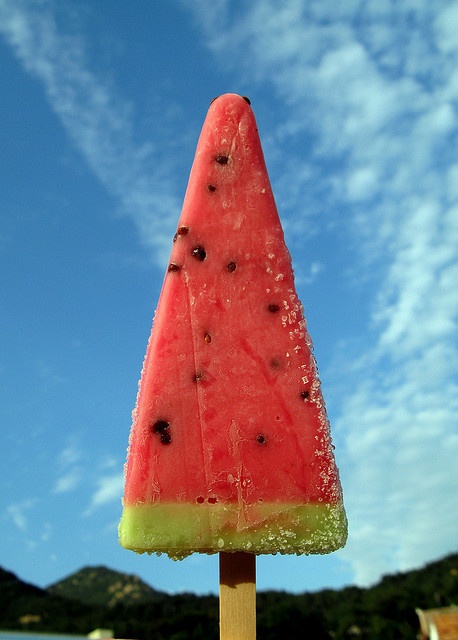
(98, 120)
(68, 482)
(76, 468)
(309, 275)
(69, 468)
(371, 93)
(70, 455)
(18, 513)
(109, 489)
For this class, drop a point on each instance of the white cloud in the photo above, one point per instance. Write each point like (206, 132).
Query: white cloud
(417, 304)
(376, 91)
(309, 273)
(68, 482)
(109, 489)
(399, 459)
(109, 462)
(18, 513)
(68, 465)
(98, 121)
(446, 26)
(70, 455)
(362, 184)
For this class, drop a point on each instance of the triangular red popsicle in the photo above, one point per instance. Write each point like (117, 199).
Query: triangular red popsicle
(230, 447)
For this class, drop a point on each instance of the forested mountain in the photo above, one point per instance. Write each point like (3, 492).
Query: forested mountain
(99, 597)
(102, 586)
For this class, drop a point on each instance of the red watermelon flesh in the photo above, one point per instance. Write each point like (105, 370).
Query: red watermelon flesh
(230, 446)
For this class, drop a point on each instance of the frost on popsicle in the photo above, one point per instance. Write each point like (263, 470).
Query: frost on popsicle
(230, 446)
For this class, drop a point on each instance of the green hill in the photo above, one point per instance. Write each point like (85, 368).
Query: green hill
(105, 587)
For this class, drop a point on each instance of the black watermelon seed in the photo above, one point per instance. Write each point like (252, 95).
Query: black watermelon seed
(222, 159)
(161, 425)
(207, 338)
(199, 253)
(231, 266)
(212, 500)
(200, 499)
(305, 394)
(211, 187)
(181, 231)
(165, 437)
(246, 99)
(173, 266)
(261, 439)
(273, 308)
(275, 363)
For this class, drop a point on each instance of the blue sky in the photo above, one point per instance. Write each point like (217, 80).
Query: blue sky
(101, 107)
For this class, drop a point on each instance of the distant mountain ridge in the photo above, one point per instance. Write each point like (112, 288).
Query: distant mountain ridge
(100, 597)
(101, 586)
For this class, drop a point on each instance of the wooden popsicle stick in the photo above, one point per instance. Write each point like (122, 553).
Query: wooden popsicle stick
(237, 596)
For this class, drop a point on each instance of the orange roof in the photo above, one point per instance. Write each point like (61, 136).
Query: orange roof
(438, 624)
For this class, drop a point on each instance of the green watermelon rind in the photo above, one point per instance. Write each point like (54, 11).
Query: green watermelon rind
(182, 529)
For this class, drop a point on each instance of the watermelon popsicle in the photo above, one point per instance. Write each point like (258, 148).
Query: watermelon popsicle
(230, 447)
